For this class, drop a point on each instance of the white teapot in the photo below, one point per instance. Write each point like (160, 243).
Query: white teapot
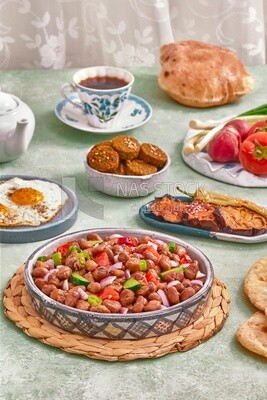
(17, 123)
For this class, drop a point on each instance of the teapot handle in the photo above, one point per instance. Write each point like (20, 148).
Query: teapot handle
(71, 88)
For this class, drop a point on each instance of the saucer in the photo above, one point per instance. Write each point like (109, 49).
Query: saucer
(136, 113)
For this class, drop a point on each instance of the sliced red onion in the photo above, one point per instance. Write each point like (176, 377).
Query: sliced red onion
(123, 310)
(197, 282)
(50, 263)
(115, 236)
(162, 307)
(174, 263)
(200, 275)
(65, 285)
(172, 283)
(154, 245)
(107, 281)
(158, 241)
(117, 265)
(50, 272)
(82, 293)
(186, 265)
(116, 258)
(127, 274)
(164, 298)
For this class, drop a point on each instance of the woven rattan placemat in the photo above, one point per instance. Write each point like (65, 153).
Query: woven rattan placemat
(18, 308)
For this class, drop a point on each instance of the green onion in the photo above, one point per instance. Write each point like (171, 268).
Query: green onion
(260, 110)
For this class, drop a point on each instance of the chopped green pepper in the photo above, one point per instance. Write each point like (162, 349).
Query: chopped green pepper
(172, 246)
(92, 242)
(82, 257)
(73, 248)
(93, 299)
(143, 265)
(42, 258)
(132, 284)
(57, 258)
(78, 279)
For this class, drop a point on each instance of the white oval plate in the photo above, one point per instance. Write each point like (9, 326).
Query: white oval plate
(136, 113)
(232, 173)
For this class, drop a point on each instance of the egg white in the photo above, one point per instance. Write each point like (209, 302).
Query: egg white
(12, 214)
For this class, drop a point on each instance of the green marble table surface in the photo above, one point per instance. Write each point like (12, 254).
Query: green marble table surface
(217, 369)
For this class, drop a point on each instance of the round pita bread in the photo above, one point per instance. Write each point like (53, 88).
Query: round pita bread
(252, 334)
(199, 74)
(255, 284)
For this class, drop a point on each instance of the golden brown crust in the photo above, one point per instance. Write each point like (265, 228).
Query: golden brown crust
(152, 154)
(127, 147)
(199, 74)
(255, 284)
(139, 168)
(103, 159)
(252, 334)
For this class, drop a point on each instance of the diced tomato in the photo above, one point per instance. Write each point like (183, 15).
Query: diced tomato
(185, 259)
(253, 153)
(258, 126)
(153, 251)
(64, 248)
(151, 276)
(109, 293)
(128, 240)
(102, 259)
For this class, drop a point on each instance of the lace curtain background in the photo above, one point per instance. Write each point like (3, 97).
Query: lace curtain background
(78, 33)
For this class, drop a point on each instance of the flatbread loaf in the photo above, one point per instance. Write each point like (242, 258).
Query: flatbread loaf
(199, 74)
(252, 334)
(255, 284)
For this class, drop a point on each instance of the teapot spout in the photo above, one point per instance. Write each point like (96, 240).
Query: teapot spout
(19, 141)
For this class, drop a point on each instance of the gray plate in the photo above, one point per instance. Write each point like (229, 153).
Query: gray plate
(59, 224)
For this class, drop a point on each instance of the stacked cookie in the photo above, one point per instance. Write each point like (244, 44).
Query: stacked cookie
(252, 334)
(124, 155)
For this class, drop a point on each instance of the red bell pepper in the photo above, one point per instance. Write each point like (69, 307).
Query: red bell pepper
(109, 293)
(128, 240)
(64, 248)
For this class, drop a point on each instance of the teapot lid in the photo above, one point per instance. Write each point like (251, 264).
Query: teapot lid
(7, 103)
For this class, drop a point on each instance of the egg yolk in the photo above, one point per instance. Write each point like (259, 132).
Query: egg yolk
(3, 209)
(27, 196)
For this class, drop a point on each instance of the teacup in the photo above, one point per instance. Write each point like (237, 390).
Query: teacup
(102, 91)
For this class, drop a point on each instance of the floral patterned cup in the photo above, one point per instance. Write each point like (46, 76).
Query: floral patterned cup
(101, 104)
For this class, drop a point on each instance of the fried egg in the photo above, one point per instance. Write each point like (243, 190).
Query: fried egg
(29, 202)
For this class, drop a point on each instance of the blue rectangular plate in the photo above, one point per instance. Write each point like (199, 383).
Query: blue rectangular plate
(151, 219)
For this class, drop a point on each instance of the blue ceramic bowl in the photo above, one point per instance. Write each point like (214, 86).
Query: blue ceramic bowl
(119, 326)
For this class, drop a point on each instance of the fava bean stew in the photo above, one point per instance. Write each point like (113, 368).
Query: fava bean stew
(118, 274)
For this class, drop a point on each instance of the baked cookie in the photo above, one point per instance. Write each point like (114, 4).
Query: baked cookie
(252, 334)
(199, 74)
(127, 147)
(139, 167)
(103, 159)
(255, 284)
(152, 154)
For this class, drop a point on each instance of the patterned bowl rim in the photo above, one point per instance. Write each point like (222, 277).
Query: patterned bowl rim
(52, 304)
